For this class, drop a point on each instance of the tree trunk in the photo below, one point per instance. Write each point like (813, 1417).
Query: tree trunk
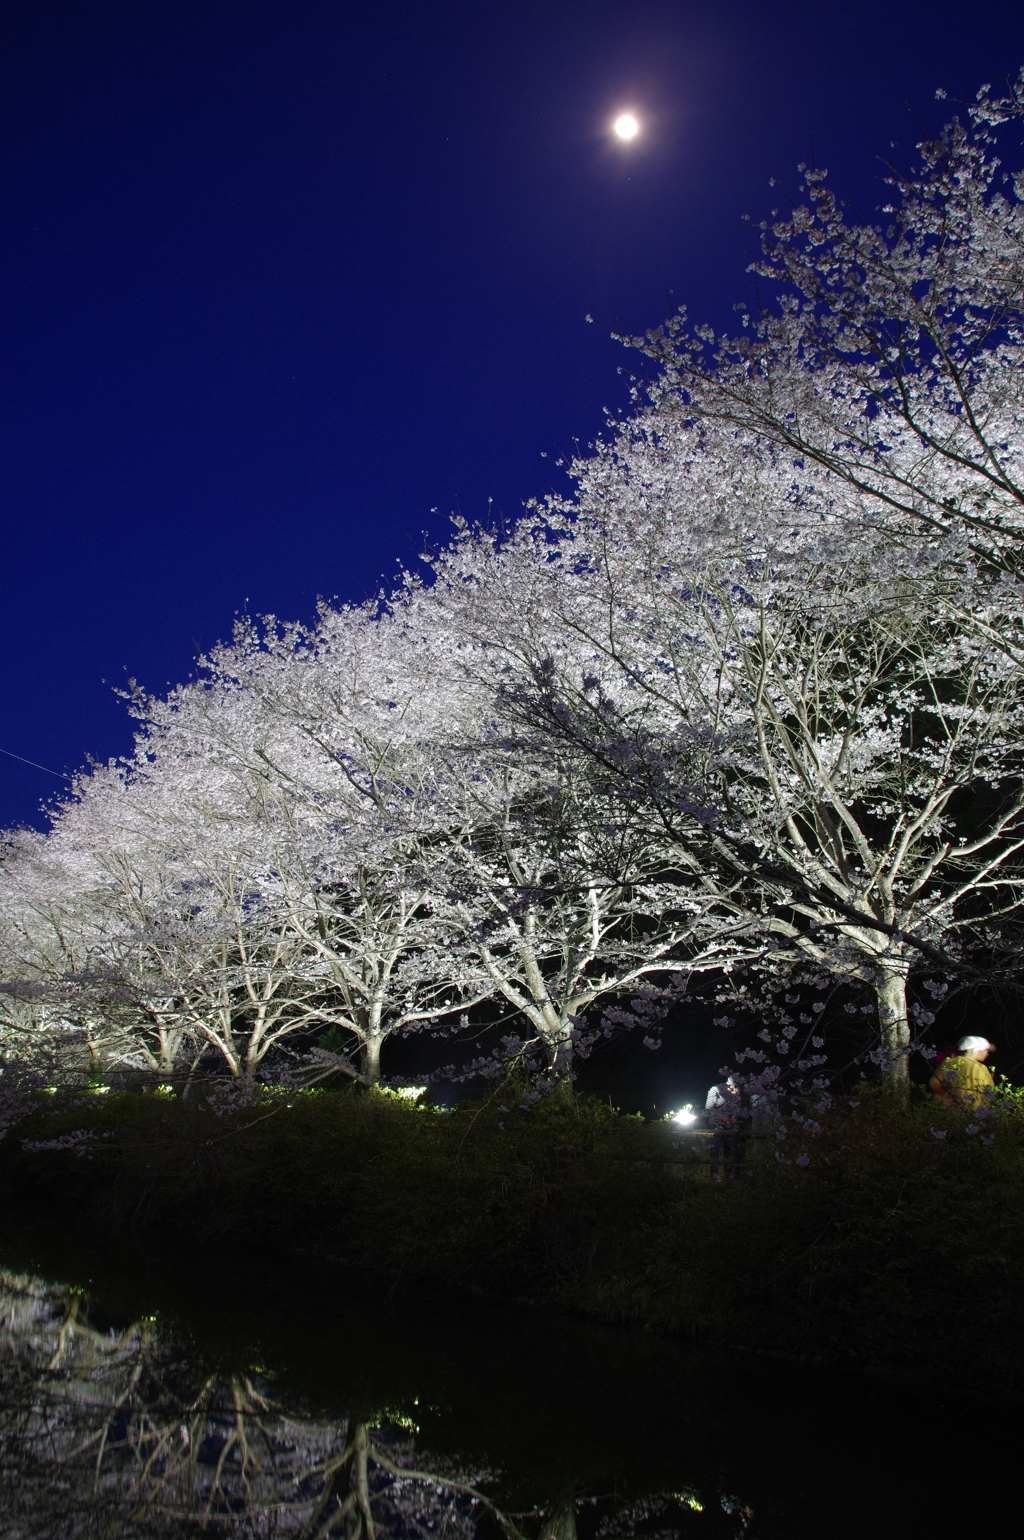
(559, 1054)
(369, 1060)
(560, 1525)
(360, 1480)
(893, 1026)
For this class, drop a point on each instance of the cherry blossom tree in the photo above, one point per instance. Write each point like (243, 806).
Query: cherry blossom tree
(59, 1004)
(891, 361)
(561, 902)
(137, 917)
(829, 755)
(752, 695)
(326, 739)
(781, 619)
(422, 868)
(256, 870)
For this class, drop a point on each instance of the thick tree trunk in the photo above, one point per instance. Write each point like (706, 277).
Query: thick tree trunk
(95, 1059)
(361, 1523)
(558, 1052)
(560, 1525)
(369, 1060)
(893, 1025)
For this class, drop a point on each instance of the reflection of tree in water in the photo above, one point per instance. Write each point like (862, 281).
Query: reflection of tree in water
(117, 1433)
(102, 1430)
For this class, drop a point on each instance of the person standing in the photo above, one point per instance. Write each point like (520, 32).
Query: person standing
(963, 1080)
(724, 1108)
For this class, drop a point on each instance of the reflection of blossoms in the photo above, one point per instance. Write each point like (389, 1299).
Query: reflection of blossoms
(103, 1428)
(111, 1434)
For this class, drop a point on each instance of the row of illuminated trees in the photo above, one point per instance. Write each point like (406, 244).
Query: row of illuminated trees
(749, 704)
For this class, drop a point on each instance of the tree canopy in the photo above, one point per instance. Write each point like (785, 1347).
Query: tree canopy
(750, 700)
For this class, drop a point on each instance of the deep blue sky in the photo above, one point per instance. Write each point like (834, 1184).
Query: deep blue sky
(280, 278)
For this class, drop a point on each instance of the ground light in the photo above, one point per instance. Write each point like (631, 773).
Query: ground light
(684, 1117)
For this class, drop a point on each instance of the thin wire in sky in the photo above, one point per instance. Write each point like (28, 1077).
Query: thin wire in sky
(60, 776)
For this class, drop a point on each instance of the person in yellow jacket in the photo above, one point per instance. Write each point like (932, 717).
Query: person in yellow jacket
(963, 1080)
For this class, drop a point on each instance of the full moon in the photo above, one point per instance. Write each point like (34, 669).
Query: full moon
(626, 126)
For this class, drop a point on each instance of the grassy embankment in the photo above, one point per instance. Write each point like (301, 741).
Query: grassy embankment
(892, 1248)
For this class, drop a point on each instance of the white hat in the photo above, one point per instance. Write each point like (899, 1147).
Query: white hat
(972, 1044)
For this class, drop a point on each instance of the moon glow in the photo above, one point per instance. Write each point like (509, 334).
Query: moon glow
(626, 126)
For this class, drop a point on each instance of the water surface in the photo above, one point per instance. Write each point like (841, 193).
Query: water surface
(151, 1390)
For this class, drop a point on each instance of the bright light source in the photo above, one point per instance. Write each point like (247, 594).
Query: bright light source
(626, 126)
(685, 1116)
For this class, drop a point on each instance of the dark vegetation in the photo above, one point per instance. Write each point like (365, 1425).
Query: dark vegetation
(892, 1249)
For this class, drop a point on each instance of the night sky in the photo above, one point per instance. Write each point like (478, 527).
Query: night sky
(281, 279)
